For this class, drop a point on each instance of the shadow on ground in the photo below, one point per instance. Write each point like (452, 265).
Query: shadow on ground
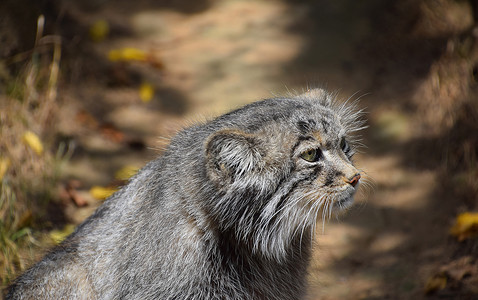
(389, 50)
(386, 51)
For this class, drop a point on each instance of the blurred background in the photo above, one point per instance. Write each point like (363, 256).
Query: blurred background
(91, 90)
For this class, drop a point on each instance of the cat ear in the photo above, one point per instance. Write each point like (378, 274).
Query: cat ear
(315, 94)
(232, 155)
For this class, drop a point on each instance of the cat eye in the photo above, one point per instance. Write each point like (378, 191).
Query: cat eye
(311, 155)
(344, 145)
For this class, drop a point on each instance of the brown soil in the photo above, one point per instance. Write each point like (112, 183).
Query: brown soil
(212, 56)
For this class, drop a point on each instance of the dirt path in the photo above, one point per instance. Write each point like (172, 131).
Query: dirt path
(224, 54)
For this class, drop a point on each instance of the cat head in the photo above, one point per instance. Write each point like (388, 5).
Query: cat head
(280, 164)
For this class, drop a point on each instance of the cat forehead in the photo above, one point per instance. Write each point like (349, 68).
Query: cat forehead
(315, 115)
(318, 122)
(324, 128)
(297, 116)
(322, 124)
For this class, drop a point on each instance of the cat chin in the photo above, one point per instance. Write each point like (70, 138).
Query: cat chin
(346, 201)
(343, 203)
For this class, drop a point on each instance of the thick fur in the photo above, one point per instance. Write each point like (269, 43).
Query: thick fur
(227, 212)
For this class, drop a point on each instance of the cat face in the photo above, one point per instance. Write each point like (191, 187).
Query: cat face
(323, 156)
(279, 166)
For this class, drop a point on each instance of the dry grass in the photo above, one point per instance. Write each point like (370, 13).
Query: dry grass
(28, 168)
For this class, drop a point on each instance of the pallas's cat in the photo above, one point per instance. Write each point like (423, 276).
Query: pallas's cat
(228, 211)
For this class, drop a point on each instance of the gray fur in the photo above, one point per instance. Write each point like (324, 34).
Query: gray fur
(227, 212)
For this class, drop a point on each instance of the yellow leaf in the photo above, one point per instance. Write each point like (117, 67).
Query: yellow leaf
(33, 141)
(126, 172)
(4, 165)
(99, 30)
(102, 193)
(58, 235)
(466, 226)
(127, 54)
(146, 92)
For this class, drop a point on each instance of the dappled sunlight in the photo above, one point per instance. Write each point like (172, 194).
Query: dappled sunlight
(229, 39)
(133, 74)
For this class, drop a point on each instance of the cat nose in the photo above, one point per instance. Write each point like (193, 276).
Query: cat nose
(354, 180)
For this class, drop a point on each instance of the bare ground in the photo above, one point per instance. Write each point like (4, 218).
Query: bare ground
(213, 56)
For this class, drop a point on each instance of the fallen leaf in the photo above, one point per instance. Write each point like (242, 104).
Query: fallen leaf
(126, 172)
(146, 92)
(4, 165)
(86, 119)
(102, 193)
(127, 54)
(99, 30)
(58, 235)
(466, 226)
(33, 141)
(112, 133)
